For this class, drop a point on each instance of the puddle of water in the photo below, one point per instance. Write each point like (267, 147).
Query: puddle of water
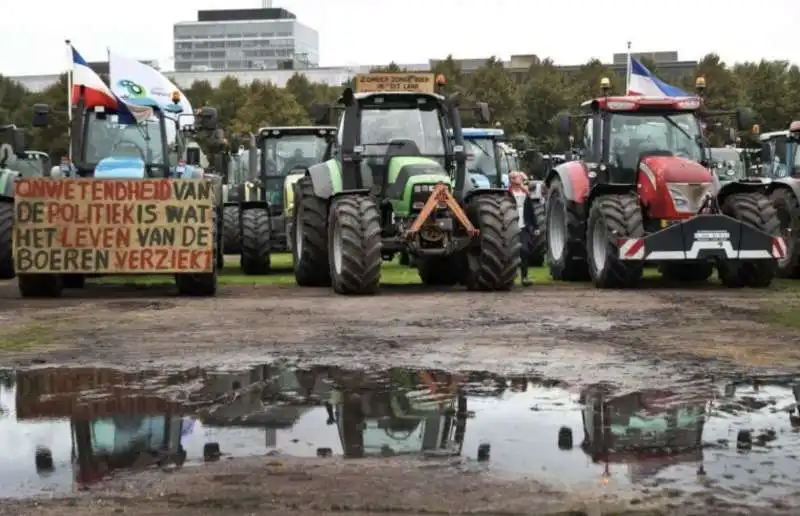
(66, 428)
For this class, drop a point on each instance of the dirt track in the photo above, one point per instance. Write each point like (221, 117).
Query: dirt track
(655, 337)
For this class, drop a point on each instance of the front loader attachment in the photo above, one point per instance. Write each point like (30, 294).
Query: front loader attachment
(704, 238)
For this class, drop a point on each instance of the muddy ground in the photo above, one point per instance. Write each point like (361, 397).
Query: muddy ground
(653, 337)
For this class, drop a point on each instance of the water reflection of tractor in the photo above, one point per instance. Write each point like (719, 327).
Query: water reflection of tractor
(404, 412)
(108, 145)
(648, 429)
(114, 432)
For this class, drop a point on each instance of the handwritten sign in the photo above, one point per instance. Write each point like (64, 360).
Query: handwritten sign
(114, 226)
(389, 82)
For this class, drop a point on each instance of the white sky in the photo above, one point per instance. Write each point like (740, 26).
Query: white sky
(412, 31)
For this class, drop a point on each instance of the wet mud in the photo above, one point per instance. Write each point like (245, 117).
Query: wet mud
(81, 430)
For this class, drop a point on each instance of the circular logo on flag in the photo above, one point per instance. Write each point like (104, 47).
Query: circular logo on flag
(134, 90)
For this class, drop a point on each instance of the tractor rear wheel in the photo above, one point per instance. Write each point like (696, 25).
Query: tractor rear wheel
(231, 233)
(203, 284)
(538, 249)
(310, 236)
(788, 208)
(354, 241)
(493, 261)
(612, 217)
(756, 210)
(686, 272)
(256, 241)
(6, 242)
(439, 271)
(40, 285)
(565, 237)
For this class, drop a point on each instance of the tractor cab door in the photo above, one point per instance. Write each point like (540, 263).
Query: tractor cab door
(778, 164)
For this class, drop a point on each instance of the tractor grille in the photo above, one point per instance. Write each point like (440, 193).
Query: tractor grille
(689, 197)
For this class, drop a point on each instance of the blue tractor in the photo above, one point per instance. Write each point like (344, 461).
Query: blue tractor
(104, 148)
(780, 162)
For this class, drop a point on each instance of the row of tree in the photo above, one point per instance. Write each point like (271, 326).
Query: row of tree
(524, 103)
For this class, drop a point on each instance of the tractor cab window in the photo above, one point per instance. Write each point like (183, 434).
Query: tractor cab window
(292, 151)
(632, 134)
(380, 126)
(106, 138)
(481, 158)
(727, 164)
(796, 164)
(588, 137)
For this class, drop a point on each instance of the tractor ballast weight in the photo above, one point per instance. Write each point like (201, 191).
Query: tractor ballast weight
(107, 151)
(398, 183)
(780, 164)
(12, 147)
(619, 204)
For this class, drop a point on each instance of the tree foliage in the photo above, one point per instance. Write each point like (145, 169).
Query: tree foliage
(523, 102)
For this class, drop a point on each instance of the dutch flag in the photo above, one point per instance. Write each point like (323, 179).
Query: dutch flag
(643, 82)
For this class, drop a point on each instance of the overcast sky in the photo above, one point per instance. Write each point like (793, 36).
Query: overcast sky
(411, 31)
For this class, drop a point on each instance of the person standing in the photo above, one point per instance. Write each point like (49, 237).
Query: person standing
(527, 220)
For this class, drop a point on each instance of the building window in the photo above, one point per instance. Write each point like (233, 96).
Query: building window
(250, 44)
(264, 43)
(234, 35)
(183, 46)
(267, 34)
(201, 44)
(200, 55)
(218, 55)
(234, 44)
(216, 44)
(217, 65)
(250, 35)
(234, 65)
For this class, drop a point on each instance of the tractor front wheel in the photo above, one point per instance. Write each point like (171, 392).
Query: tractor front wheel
(231, 233)
(538, 240)
(354, 245)
(256, 235)
(788, 208)
(202, 284)
(493, 261)
(6, 243)
(564, 236)
(40, 285)
(612, 217)
(310, 236)
(756, 210)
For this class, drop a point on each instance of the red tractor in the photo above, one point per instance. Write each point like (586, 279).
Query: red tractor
(639, 191)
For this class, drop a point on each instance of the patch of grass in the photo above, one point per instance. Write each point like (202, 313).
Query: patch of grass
(25, 337)
(788, 317)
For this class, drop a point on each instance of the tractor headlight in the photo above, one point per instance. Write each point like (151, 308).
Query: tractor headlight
(423, 188)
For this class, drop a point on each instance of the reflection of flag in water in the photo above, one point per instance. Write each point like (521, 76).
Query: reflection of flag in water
(188, 426)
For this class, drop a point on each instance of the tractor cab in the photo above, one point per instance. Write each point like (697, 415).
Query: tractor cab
(12, 145)
(106, 145)
(649, 430)
(728, 164)
(487, 160)
(780, 153)
(285, 154)
(402, 415)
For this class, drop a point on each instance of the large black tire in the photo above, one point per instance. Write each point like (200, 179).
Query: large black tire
(40, 285)
(202, 284)
(566, 254)
(538, 250)
(255, 241)
(756, 210)
(440, 271)
(788, 208)
(612, 217)
(76, 281)
(354, 245)
(686, 272)
(6, 240)
(310, 237)
(231, 233)
(492, 263)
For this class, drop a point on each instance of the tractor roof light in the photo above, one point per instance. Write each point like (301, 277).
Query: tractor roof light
(605, 85)
(700, 84)
(688, 104)
(620, 106)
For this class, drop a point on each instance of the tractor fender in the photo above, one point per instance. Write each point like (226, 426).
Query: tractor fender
(484, 191)
(791, 183)
(574, 178)
(739, 187)
(249, 205)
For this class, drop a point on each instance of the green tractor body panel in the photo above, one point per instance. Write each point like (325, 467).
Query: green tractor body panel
(327, 178)
(407, 172)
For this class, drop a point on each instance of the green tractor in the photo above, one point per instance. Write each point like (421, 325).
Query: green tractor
(236, 166)
(397, 182)
(12, 153)
(264, 203)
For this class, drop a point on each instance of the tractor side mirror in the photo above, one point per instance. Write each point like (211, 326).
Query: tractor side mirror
(481, 111)
(18, 142)
(206, 118)
(745, 119)
(41, 115)
(564, 124)
(320, 113)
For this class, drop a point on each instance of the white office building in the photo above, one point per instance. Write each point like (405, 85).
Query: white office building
(244, 39)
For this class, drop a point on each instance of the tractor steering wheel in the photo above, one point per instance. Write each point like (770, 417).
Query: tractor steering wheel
(295, 163)
(130, 143)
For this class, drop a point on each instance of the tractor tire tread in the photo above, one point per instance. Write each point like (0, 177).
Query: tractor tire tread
(756, 210)
(231, 232)
(498, 261)
(255, 242)
(6, 241)
(359, 220)
(311, 269)
(623, 218)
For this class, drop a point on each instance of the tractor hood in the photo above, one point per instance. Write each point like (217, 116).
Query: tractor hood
(120, 168)
(672, 169)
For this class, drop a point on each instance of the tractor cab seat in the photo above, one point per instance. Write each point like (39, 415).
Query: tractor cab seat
(380, 169)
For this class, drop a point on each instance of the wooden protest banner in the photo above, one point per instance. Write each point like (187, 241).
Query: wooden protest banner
(392, 82)
(113, 226)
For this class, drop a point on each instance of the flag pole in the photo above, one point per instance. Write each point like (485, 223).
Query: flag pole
(69, 94)
(628, 71)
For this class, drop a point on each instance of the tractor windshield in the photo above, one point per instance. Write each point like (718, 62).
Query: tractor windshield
(292, 151)
(481, 158)
(380, 126)
(632, 134)
(106, 138)
(31, 166)
(727, 164)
